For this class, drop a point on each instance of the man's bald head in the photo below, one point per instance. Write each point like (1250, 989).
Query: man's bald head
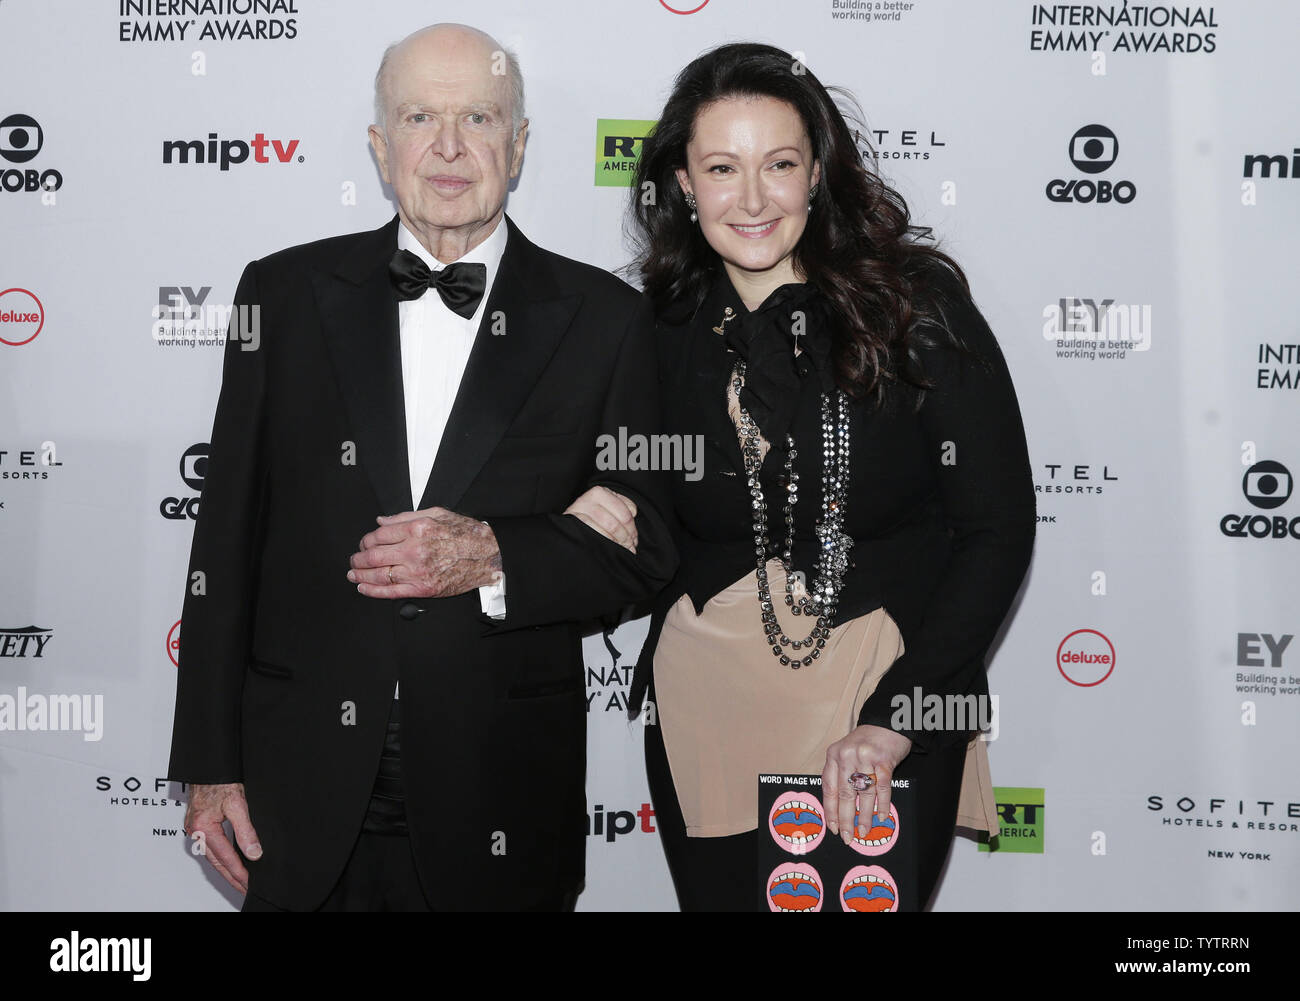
(436, 40)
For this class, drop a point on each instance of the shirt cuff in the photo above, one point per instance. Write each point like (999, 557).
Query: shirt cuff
(492, 598)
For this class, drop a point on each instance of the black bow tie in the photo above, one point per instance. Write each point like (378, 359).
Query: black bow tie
(460, 285)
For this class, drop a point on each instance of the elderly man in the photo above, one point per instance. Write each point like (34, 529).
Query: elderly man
(457, 407)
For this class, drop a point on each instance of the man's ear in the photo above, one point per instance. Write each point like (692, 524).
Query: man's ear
(380, 145)
(517, 156)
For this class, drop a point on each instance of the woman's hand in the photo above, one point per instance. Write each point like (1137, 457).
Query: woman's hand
(609, 513)
(867, 749)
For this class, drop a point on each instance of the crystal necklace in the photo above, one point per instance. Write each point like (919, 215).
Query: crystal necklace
(833, 558)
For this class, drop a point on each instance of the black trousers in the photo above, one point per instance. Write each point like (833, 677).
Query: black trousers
(381, 875)
(718, 874)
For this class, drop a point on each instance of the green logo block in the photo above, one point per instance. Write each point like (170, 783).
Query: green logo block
(618, 148)
(1020, 819)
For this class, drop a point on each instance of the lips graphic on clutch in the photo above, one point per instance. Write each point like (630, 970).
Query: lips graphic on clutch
(880, 838)
(796, 822)
(794, 886)
(868, 889)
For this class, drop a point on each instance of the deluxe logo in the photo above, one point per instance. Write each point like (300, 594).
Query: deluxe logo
(174, 643)
(22, 317)
(227, 152)
(194, 466)
(1267, 485)
(21, 139)
(618, 148)
(1020, 820)
(1085, 658)
(1093, 150)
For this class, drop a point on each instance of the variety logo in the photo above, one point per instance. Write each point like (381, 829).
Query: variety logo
(25, 641)
(618, 149)
(1020, 820)
(22, 317)
(1093, 150)
(21, 139)
(1267, 485)
(1085, 658)
(228, 152)
(194, 466)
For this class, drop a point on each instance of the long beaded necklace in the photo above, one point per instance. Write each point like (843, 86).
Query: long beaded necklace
(833, 551)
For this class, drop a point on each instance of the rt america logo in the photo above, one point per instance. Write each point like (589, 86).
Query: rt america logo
(228, 152)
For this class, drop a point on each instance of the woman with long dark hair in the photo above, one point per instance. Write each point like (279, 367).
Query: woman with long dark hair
(865, 512)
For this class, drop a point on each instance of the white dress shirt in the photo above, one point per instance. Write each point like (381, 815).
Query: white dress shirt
(435, 349)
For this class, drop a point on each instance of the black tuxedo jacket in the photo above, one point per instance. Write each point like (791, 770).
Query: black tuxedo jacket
(287, 672)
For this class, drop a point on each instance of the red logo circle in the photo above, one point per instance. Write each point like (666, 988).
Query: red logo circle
(174, 643)
(676, 11)
(1086, 661)
(9, 310)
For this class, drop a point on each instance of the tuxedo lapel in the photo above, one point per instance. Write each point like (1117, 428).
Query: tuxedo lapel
(359, 320)
(523, 323)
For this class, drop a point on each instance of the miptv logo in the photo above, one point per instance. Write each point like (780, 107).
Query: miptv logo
(1085, 658)
(676, 10)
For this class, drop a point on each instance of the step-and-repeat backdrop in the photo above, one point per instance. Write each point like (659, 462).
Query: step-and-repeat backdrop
(1121, 181)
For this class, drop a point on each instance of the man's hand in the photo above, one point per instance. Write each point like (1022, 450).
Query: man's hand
(209, 806)
(609, 513)
(434, 553)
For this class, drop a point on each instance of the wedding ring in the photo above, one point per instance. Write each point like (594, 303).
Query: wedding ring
(390, 576)
(862, 781)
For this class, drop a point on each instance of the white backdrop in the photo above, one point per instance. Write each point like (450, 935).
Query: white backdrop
(1169, 784)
